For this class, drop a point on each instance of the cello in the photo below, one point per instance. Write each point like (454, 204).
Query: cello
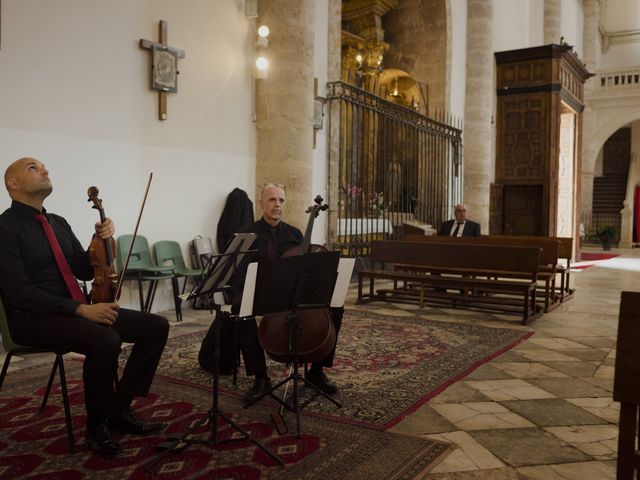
(317, 335)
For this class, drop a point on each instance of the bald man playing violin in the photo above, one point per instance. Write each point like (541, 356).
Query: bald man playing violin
(40, 259)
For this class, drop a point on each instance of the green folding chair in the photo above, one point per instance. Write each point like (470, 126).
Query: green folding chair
(12, 348)
(141, 267)
(169, 254)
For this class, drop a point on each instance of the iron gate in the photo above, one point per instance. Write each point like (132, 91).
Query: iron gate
(394, 166)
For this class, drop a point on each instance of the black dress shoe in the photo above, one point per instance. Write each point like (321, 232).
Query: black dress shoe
(320, 380)
(100, 441)
(260, 386)
(129, 422)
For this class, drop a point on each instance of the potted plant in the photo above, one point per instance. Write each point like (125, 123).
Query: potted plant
(606, 234)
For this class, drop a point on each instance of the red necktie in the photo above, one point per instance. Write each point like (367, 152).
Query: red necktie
(63, 265)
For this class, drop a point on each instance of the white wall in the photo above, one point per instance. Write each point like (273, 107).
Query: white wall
(74, 90)
(617, 56)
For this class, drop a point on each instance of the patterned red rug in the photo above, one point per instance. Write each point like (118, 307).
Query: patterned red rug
(386, 366)
(35, 446)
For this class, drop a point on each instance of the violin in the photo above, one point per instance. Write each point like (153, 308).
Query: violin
(101, 253)
(317, 334)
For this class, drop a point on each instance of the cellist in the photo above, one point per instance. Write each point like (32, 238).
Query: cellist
(273, 238)
(40, 259)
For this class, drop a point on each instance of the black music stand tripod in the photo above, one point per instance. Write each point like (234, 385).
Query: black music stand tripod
(293, 284)
(215, 276)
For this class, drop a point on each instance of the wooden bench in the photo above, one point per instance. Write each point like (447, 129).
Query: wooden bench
(548, 256)
(565, 254)
(430, 269)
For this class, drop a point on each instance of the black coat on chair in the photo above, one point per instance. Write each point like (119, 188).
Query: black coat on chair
(237, 213)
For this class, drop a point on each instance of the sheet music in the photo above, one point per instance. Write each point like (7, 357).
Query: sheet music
(246, 307)
(345, 269)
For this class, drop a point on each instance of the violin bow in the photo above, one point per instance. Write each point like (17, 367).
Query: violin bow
(135, 233)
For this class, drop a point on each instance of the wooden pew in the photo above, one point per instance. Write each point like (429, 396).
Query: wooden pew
(548, 255)
(510, 285)
(626, 386)
(565, 253)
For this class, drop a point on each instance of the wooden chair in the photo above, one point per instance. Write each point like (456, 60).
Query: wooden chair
(12, 348)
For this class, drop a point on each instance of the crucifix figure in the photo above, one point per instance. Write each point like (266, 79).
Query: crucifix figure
(164, 67)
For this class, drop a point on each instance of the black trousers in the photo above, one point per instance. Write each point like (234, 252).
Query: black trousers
(101, 346)
(253, 353)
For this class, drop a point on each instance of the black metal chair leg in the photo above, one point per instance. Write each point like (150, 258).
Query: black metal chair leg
(176, 300)
(50, 383)
(65, 401)
(140, 294)
(151, 293)
(5, 367)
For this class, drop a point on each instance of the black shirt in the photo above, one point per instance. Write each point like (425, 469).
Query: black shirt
(287, 237)
(30, 279)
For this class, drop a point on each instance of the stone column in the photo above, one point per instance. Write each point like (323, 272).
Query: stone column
(333, 148)
(284, 105)
(552, 21)
(591, 11)
(590, 44)
(477, 106)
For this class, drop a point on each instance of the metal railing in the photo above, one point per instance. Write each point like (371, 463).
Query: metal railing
(395, 165)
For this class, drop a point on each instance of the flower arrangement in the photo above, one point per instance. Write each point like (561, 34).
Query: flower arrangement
(351, 190)
(378, 203)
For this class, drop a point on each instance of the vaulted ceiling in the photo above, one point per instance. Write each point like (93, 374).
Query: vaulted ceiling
(617, 16)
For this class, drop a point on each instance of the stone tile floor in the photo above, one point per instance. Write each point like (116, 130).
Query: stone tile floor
(543, 410)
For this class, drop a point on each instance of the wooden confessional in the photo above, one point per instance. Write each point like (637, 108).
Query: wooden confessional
(538, 142)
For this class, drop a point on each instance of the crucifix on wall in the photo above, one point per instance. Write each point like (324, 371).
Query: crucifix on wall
(164, 67)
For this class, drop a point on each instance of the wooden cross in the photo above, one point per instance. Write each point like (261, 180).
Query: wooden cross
(164, 73)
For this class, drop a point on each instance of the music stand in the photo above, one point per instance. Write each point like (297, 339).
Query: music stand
(215, 278)
(288, 285)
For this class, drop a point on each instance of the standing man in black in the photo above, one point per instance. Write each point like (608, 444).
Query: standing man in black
(273, 238)
(461, 226)
(40, 258)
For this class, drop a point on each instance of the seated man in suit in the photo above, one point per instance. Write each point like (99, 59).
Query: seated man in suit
(461, 226)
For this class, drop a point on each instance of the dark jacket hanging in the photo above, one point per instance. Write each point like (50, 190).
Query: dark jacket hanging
(237, 213)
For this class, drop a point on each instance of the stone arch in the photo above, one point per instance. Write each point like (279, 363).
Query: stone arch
(611, 124)
(419, 37)
(609, 121)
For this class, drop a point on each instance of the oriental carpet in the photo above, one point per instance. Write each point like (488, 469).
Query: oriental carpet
(386, 367)
(35, 446)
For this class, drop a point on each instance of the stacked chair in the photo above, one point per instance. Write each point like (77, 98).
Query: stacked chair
(169, 254)
(142, 268)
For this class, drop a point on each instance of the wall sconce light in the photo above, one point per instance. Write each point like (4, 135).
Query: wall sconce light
(262, 65)
(263, 36)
